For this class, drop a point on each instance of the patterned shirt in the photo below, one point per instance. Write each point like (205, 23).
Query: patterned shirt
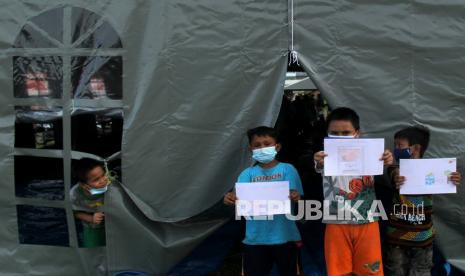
(349, 200)
(410, 222)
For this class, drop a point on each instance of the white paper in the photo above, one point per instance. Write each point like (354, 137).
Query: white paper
(263, 198)
(353, 156)
(427, 176)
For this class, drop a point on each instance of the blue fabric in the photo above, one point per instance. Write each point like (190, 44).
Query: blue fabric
(130, 273)
(280, 229)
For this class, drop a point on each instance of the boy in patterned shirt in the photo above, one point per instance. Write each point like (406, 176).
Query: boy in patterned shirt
(352, 243)
(410, 230)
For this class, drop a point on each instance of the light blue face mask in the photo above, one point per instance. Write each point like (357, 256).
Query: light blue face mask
(341, 137)
(99, 191)
(264, 155)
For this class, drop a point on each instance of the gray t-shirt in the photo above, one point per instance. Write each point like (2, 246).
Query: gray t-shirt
(84, 202)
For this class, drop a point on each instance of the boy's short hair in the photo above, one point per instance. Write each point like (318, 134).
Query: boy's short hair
(262, 131)
(84, 166)
(415, 135)
(344, 114)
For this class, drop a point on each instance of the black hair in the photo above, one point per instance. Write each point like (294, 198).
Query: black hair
(262, 131)
(84, 166)
(415, 135)
(344, 114)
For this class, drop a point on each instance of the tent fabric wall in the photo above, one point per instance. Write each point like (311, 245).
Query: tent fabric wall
(198, 74)
(397, 63)
(205, 85)
(141, 244)
(31, 259)
(208, 80)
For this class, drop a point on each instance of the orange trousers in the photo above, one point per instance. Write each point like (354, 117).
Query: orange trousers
(353, 249)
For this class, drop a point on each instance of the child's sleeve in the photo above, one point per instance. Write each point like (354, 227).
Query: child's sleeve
(244, 177)
(73, 195)
(76, 201)
(294, 179)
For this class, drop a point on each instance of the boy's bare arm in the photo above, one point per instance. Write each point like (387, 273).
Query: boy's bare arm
(294, 196)
(230, 198)
(319, 159)
(387, 158)
(455, 177)
(396, 178)
(84, 216)
(95, 218)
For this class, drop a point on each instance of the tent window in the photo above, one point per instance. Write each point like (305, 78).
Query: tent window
(44, 177)
(42, 31)
(97, 132)
(37, 77)
(42, 225)
(38, 127)
(102, 36)
(97, 77)
(83, 62)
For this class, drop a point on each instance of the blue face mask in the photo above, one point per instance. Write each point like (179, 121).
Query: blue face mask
(264, 155)
(99, 191)
(341, 137)
(402, 154)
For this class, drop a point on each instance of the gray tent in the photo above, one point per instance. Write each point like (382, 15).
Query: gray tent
(189, 77)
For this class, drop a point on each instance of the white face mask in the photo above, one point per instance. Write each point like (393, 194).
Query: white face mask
(98, 191)
(264, 155)
(341, 137)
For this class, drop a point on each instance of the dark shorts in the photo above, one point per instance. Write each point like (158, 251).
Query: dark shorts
(259, 259)
(411, 261)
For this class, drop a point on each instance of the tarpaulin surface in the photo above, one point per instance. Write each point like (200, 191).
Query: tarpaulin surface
(397, 63)
(190, 78)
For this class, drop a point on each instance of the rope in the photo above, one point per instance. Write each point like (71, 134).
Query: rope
(293, 53)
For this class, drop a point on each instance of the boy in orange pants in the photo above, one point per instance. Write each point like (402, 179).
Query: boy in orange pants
(352, 243)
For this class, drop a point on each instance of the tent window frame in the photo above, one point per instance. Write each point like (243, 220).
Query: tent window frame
(50, 41)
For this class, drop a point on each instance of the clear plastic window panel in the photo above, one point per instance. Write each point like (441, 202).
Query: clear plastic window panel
(42, 31)
(37, 77)
(38, 127)
(97, 77)
(42, 225)
(39, 177)
(97, 132)
(91, 31)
